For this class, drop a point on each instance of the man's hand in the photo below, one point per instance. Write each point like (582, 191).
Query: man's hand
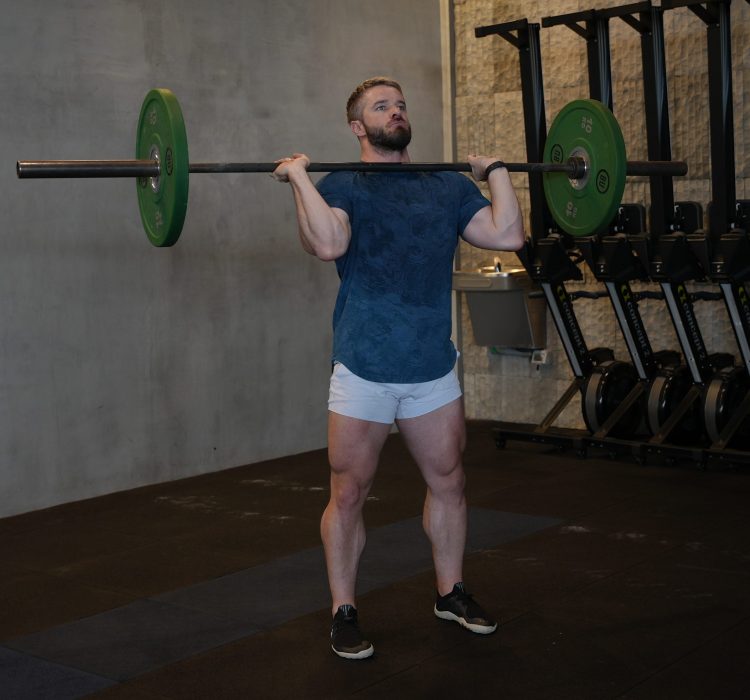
(479, 165)
(288, 167)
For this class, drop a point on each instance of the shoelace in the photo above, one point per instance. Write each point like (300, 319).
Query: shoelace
(346, 621)
(460, 594)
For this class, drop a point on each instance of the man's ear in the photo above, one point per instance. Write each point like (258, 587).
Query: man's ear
(357, 127)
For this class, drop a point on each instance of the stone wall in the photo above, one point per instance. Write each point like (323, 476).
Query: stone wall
(489, 119)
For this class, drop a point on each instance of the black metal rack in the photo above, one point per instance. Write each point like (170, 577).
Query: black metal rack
(680, 251)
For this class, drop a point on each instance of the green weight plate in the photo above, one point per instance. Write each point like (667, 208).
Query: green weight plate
(587, 129)
(161, 135)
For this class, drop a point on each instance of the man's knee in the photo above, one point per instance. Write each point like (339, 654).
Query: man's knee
(348, 492)
(449, 480)
(458, 479)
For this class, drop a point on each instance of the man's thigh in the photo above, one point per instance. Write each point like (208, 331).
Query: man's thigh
(354, 447)
(436, 440)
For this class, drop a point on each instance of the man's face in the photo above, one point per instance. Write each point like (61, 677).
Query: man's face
(384, 118)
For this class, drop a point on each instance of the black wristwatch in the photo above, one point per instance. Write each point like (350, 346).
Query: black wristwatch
(491, 167)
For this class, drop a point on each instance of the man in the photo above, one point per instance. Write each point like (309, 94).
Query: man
(393, 237)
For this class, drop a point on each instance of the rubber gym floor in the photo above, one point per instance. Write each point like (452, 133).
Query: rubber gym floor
(609, 580)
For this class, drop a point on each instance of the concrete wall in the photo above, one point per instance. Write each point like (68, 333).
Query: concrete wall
(122, 364)
(489, 119)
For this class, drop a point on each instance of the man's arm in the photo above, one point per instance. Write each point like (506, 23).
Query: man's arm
(499, 226)
(324, 231)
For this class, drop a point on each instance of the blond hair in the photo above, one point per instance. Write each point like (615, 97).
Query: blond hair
(354, 103)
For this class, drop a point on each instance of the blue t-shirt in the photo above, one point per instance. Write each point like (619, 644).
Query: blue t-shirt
(392, 319)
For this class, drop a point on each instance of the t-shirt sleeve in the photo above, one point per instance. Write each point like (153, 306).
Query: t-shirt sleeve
(336, 190)
(471, 201)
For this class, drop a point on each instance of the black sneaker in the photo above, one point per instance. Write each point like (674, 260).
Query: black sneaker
(346, 639)
(459, 606)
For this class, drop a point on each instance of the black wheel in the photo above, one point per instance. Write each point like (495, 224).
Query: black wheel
(605, 389)
(667, 390)
(723, 395)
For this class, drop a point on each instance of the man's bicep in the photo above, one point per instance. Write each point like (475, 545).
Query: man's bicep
(480, 228)
(343, 217)
(328, 235)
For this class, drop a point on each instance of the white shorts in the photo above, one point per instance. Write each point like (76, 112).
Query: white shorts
(350, 395)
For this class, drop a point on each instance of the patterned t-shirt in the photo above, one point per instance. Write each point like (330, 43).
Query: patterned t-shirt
(392, 319)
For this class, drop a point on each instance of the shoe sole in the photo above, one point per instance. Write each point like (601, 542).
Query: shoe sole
(364, 654)
(477, 629)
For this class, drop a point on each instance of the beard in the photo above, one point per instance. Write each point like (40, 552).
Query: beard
(396, 140)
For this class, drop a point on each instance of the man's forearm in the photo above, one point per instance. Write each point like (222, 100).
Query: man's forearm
(506, 212)
(322, 232)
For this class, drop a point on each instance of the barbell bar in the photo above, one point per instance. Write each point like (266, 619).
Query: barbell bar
(574, 168)
(584, 167)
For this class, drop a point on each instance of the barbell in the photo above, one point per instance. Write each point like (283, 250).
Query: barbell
(584, 167)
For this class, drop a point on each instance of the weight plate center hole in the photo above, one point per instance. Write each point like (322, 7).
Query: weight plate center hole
(155, 181)
(581, 182)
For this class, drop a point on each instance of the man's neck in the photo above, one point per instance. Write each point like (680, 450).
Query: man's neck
(370, 154)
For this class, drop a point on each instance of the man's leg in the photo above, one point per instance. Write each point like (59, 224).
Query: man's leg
(436, 440)
(354, 447)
